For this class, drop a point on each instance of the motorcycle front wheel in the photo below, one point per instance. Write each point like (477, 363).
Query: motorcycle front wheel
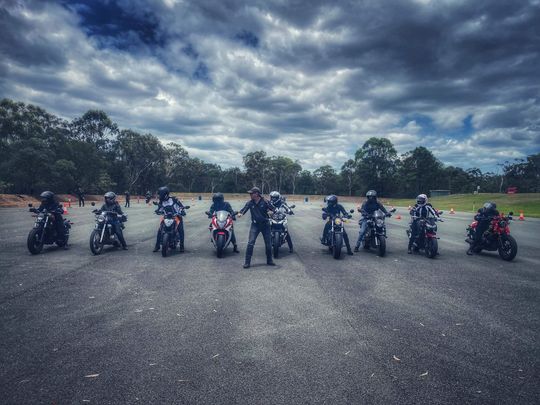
(382, 246)
(34, 244)
(338, 244)
(95, 245)
(275, 244)
(507, 247)
(431, 248)
(165, 245)
(220, 245)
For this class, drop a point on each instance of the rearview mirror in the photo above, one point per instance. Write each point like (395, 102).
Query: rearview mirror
(351, 211)
(293, 206)
(30, 205)
(93, 204)
(440, 212)
(187, 207)
(393, 210)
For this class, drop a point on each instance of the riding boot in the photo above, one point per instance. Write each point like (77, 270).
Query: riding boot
(247, 262)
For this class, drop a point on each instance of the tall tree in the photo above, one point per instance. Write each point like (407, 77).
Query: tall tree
(376, 163)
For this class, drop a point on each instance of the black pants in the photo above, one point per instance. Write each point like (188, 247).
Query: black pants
(414, 234)
(81, 202)
(327, 227)
(479, 232)
(289, 241)
(254, 231)
(179, 229)
(59, 227)
(117, 229)
(126, 205)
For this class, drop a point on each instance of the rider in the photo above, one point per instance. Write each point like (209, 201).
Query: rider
(112, 205)
(277, 201)
(165, 200)
(367, 209)
(219, 204)
(49, 203)
(258, 208)
(332, 209)
(422, 209)
(484, 217)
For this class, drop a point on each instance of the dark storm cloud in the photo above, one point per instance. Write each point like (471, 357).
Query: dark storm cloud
(288, 75)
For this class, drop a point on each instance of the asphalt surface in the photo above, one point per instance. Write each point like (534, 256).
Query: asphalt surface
(134, 327)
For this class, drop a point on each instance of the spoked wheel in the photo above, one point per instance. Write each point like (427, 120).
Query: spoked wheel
(220, 245)
(95, 245)
(507, 248)
(34, 244)
(275, 246)
(338, 244)
(165, 245)
(382, 246)
(431, 248)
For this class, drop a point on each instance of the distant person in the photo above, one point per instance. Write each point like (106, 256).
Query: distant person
(148, 196)
(260, 223)
(422, 209)
(128, 196)
(367, 209)
(219, 204)
(80, 196)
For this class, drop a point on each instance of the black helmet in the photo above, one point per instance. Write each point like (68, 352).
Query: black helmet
(163, 193)
(47, 197)
(490, 206)
(371, 195)
(275, 196)
(255, 190)
(331, 199)
(110, 197)
(218, 197)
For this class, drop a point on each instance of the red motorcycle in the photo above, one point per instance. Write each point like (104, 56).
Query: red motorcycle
(496, 237)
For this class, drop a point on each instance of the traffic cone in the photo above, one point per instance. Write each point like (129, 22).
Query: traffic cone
(398, 217)
(65, 211)
(452, 211)
(521, 216)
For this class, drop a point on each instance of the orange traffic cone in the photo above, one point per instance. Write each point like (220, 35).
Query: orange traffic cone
(398, 216)
(521, 216)
(452, 211)
(65, 211)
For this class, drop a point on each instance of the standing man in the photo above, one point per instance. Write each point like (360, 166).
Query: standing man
(260, 223)
(80, 196)
(128, 196)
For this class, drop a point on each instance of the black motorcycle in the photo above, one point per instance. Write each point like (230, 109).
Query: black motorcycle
(427, 239)
(169, 228)
(103, 233)
(334, 237)
(279, 228)
(44, 231)
(375, 236)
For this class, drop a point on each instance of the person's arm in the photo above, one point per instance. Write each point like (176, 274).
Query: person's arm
(246, 208)
(381, 207)
(362, 209)
(119, 209)
(229, 209)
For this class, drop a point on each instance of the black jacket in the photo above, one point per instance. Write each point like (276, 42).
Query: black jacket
(259, 211)
(370, 206)
(113, 207)
(53, 207)
(484, 215)
(334, 210)
(221, 206)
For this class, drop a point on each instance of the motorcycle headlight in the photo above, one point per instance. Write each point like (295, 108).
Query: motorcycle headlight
(338, 221)
(101, 218)
(380, 222)
(168, 221)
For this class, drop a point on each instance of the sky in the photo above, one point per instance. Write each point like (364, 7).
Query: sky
(312, 80)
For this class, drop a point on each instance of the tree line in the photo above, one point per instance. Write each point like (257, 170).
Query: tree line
(39, 150)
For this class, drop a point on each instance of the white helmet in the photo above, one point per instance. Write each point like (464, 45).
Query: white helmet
(275, 196)
(421, 200)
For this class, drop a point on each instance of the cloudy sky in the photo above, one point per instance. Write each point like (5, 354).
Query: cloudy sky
(304, 78)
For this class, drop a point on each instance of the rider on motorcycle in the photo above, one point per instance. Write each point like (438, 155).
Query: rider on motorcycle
(332, 209)
(219, 204)
(112, 205)
(484, 218)
(367, 209)
(421, 209)
(49, 203)
(165, 200)
(277, 201)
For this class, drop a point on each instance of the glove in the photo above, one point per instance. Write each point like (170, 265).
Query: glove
(388, 215)
(349, 216)
(324, 216)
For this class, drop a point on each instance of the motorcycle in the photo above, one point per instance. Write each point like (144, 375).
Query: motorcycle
(170, 221)
(221, 230)
(279, 228)
(334, 237)
(497, 237)
(427, 235)
(103, 233)
(376, 232)
(44, 231)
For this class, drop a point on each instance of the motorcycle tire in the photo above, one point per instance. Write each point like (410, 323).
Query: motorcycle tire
(220, 245)
(338, 244)
(382, 246)
(96, 247)
(165, 245)
(275, 244)
(431, 248)
(507, 248)
(33, 242)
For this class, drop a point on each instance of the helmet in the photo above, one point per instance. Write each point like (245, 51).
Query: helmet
(110, 197)
(371, 195)
(218, 197)
(331, 199)
(47, 197)
(163, 193)
(275, 196)
(255, 190)
(421, 200)
(490, 206)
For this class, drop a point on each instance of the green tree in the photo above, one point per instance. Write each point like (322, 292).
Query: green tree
(376, 163)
